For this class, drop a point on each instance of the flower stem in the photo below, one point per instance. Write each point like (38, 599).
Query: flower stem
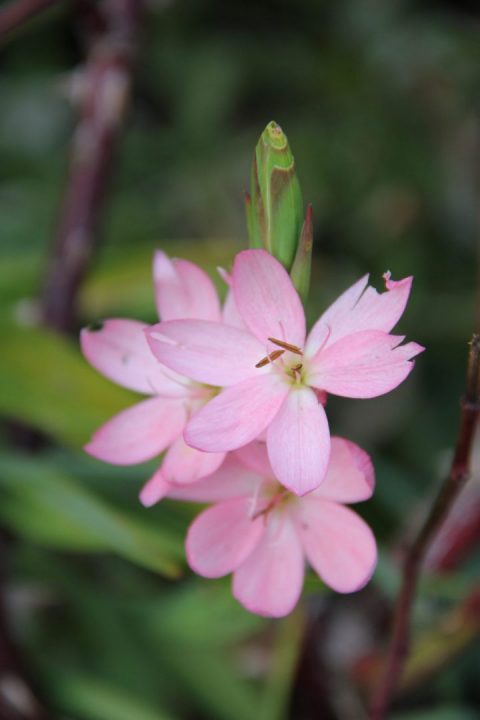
(449, 491)
(105, 86)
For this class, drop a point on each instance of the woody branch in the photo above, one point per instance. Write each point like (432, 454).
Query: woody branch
(449, 491)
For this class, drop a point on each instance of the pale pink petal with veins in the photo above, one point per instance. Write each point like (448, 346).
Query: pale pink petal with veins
(221, 538)
(119, 350)
(350, 476)
(139, 433)
(363, 365)
(270, 580)
(204, 351)
(183, 465)
(266, 298)
(361, 308)
(338, 544)
(183, 290)
(238, 415)
(298, 442)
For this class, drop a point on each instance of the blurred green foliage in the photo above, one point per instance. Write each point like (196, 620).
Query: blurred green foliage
(380, 103)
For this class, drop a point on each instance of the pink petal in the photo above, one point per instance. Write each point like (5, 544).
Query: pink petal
(339, 545)
(266, 299)
(207, 352)
(183, 290)
(183, 464)
(298, 442)
(363, 365)
(236, 416)
(231, 316)
(221, 538)
(270, 580)
(332, 319)
(255, 457)
(154, 490)
(231, 480)
(119, 350)
(350, 476)
(139, 433)
(354, 312)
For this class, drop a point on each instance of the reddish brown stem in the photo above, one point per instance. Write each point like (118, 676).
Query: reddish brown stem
(16, 13)
(453, 484)
(104, 86)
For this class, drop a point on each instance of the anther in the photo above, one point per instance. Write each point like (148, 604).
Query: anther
(269, 358)
(286, 346)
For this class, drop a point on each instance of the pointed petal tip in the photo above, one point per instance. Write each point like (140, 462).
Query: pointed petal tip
(154, 490)
(391, 284)
(147, 498)
(160, 260)
(159, 255)
(417, 348)
(87, 448)
(92, 449)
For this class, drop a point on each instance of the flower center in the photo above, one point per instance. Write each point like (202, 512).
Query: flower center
(277, 499)
(294, 371)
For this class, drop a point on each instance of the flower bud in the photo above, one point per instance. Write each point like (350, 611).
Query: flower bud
(300, 272)
(274, 206)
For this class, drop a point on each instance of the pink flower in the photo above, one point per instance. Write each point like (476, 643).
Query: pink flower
(275, 378)
(120, 351)
(262, 533)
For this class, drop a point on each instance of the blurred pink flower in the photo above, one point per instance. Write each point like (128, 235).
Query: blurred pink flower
(119, 350)
(276, 379)
(262, 533)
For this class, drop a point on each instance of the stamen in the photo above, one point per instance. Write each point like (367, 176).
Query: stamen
(297, 368)
(271, 505)
(269, 358)
(286, 346)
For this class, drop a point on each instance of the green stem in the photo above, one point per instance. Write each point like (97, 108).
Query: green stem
(286, 650)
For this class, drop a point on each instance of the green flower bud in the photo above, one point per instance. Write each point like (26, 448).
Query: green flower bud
(300, 272)
(274, 206)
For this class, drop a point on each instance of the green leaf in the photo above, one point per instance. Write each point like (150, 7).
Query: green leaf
(210, 678)
(203, 614)
(47, 384)
(52, 509)
(94, 699)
